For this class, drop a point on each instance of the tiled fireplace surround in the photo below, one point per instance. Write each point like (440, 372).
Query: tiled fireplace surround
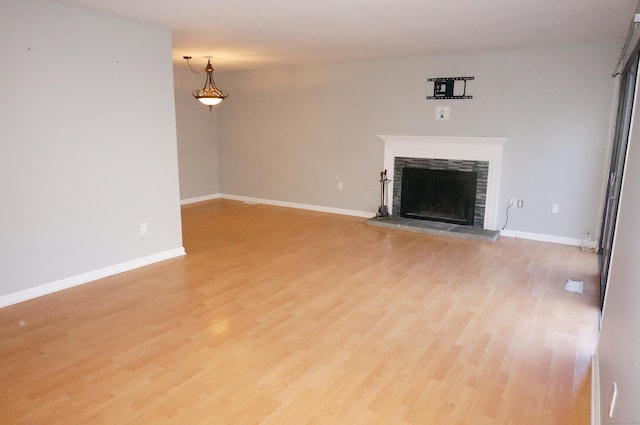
(481, 167)
(482, 154)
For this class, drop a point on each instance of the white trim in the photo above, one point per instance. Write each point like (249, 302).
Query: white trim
(365, 214)
(595, 388)
(355, 213)
(540, 237)
(464, 148)
(59, 285)
(199, 199)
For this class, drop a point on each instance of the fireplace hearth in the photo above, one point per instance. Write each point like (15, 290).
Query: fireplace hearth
(439, 196)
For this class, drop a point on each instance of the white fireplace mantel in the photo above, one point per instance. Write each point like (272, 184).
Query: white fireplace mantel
(461, 148)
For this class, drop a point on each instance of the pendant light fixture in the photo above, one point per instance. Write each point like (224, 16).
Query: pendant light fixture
(209, 95)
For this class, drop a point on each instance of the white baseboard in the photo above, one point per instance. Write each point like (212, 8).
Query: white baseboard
(59, 285)
(355, 213)
(540, 237)
(199, 199)
(595, 389)
(366, 214)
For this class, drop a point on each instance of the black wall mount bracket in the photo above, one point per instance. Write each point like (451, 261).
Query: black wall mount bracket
(450, 88)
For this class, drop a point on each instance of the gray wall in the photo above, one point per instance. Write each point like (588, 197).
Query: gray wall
(290, 134)
(619, 347)
(198, 136)
(88, 149)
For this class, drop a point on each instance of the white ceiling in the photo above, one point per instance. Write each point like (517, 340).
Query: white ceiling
(240, 34)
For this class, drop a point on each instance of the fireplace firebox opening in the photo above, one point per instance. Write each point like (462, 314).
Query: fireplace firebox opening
(439, 195)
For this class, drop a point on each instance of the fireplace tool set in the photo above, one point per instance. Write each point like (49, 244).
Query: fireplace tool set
(383, 211)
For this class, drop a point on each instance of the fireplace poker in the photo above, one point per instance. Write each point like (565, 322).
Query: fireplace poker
(383, 211)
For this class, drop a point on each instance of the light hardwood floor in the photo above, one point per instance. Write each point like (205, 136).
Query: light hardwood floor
(282, 316)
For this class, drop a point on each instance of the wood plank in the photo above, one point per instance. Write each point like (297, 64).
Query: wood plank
(283, 316)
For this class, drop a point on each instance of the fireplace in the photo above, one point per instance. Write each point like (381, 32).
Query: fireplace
(455, 177)
(470, 154)
(447, 196)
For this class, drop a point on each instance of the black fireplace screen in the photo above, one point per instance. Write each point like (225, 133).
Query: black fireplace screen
(439, 195)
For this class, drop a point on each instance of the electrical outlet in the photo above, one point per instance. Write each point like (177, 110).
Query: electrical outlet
(555, 209)
(144, 229)
(340, 186)
(520, 203)
(443, 112)
(513, 202)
